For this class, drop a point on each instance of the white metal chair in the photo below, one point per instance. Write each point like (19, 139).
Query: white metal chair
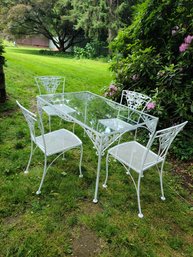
(50, 85)
(135, 100)
(133, 155)
(55, 142)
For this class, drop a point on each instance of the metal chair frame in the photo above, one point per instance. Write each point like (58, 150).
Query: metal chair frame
(50, 85)
(55, 142)
(135, 156)
(135, 100)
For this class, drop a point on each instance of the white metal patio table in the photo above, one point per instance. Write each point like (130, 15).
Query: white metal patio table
(103, 120)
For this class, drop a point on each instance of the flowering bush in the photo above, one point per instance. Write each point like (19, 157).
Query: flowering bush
(154, 55)
(187, 41)
(112, 91)
(151, 105)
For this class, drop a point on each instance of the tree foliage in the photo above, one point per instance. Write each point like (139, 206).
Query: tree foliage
(154, 55)
(65, 19)
(48, 18)
(101, 19)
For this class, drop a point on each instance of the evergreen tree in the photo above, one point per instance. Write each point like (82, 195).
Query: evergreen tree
(101, 19)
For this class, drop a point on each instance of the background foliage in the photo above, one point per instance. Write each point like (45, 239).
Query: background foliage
(1, 47)
(38, 17)
(66, 23)
(102, 19)
(148, 56)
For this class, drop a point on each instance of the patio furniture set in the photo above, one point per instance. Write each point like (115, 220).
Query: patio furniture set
(104, 121)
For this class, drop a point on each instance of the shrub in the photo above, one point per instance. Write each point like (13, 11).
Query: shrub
(154, 55)
(91, 50)
(87, 52)
(54, 53)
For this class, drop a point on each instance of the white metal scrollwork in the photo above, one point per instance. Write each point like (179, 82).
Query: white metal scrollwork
(49, 83)
(103, 141)
(135, 100)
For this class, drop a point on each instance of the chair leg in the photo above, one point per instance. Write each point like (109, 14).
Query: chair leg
(107, 169)
(73, 127)
(80, 163)
(43, 176)
(161, 182)
(30, 158)
(119, 141)
(63, 156)
(140, 214)
(135, 135)
(49, 119)
(128, 168)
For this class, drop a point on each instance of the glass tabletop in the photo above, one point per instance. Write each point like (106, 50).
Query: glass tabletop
(95, 112)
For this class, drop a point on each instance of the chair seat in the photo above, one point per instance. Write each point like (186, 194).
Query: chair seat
(58, 141)
(131, 153)
(60, 107)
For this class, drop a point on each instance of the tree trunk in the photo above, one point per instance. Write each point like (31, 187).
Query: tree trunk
(112, 16)
(2, 81)
(61, 47)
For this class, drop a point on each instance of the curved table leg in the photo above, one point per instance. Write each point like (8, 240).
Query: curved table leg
(95, 200)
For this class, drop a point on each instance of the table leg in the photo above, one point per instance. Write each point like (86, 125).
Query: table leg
(95, 200)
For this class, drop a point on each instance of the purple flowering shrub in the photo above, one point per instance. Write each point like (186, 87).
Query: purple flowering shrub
(151, 105)
(154, 55)
(112, 91)
(187, 41)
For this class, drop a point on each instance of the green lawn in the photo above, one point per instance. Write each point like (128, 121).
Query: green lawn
(63, 221)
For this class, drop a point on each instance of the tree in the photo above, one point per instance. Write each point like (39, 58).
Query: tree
(2, 75)
(101, 19)
(48, 18)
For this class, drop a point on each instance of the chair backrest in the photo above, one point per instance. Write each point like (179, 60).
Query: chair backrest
(31, 120)
(150, 123)
(49, 84)
(165, 137)
(135, 100)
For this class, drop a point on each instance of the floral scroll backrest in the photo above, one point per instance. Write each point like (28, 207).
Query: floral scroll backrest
(31, 120)
(166, 137)
(50, 84)
(135, 100)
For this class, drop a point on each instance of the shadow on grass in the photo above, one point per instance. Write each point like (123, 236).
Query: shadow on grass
(40, 52)
(22, 50)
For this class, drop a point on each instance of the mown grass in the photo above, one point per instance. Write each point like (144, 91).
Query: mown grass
(52, 223)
